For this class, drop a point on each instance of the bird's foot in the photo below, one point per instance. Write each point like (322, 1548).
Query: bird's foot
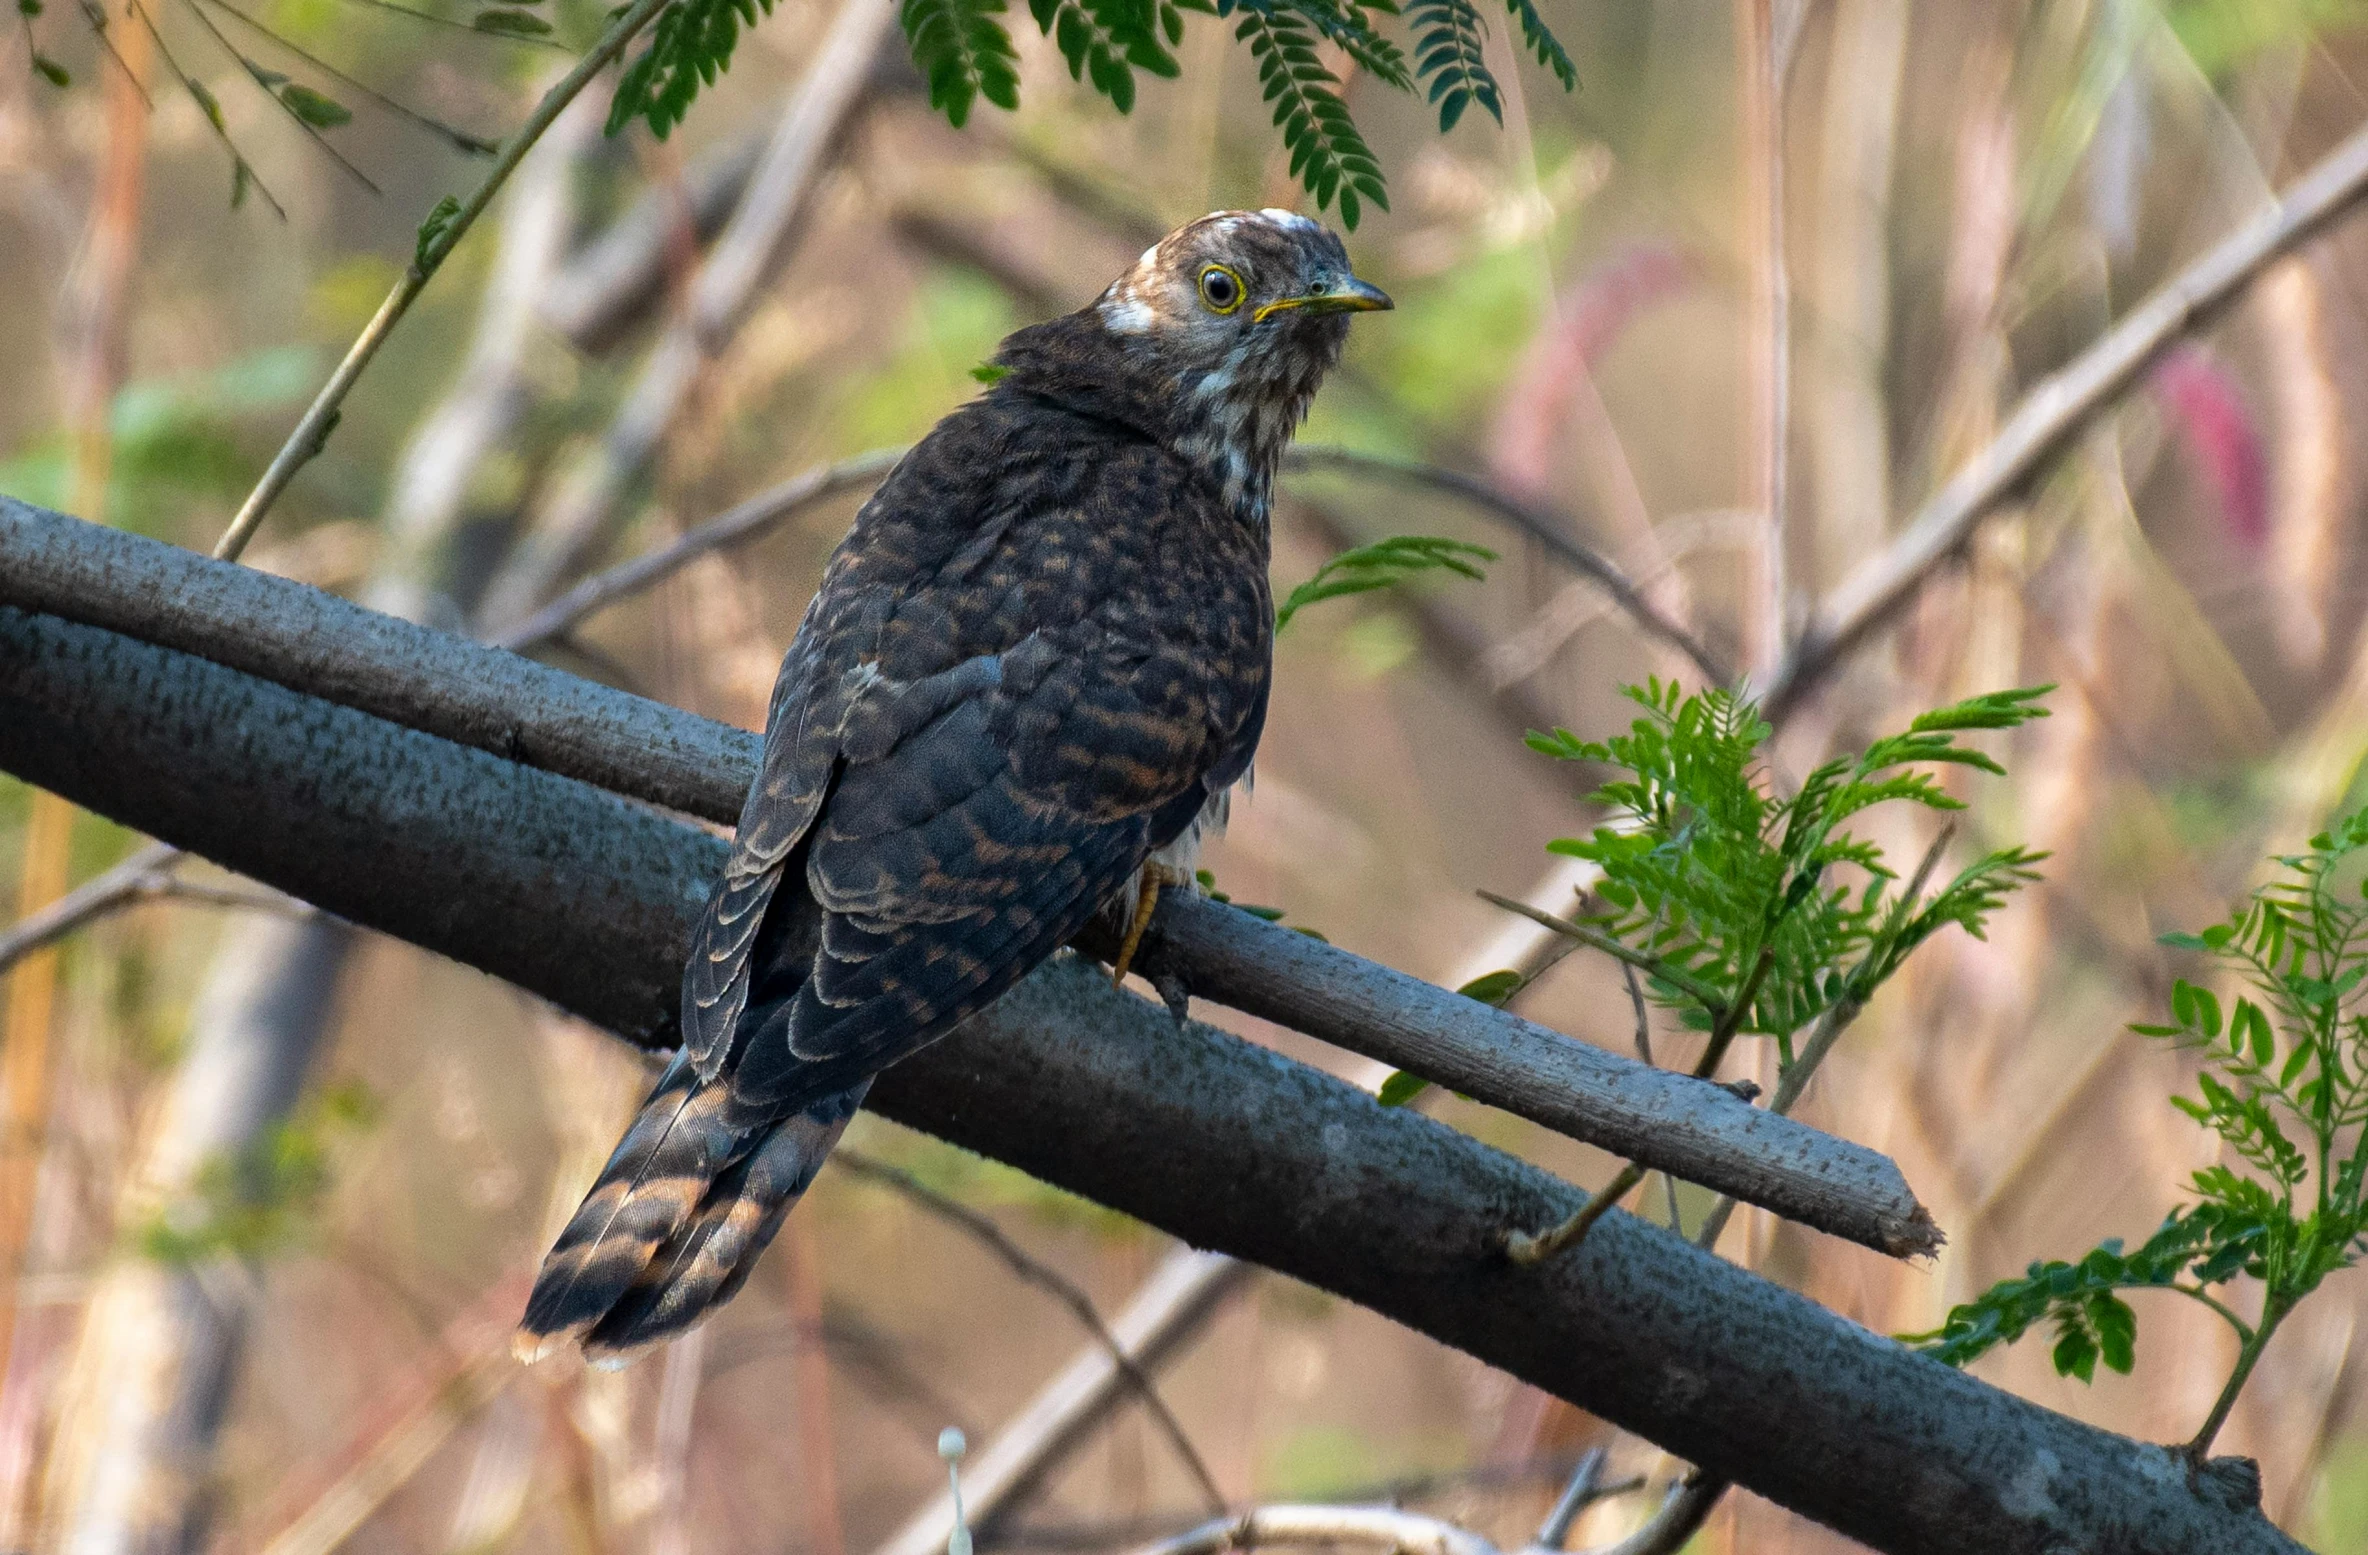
(1155, 877)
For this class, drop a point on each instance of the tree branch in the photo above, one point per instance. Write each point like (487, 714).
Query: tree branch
(144, 877)
(589, 901)
(2056, 410)
(1548, 530)
(316, 644)
(732, 527)
(1046, 1278)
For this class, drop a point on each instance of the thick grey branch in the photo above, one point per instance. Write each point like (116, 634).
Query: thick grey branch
(588, 900)
(1690, 1127)
(314, 643)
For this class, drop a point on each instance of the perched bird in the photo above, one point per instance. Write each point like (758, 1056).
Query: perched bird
(1034, 668)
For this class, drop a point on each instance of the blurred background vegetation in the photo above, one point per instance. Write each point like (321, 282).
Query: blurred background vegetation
(1587, 320)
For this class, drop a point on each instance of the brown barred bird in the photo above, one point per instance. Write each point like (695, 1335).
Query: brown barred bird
(1034, 669)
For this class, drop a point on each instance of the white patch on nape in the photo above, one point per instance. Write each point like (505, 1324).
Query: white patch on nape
(1284, 218)
(1124, 313)
(1144, 259)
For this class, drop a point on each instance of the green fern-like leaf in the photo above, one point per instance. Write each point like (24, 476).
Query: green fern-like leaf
(1544, 44)
(1345, 23)
(691, 44)
(1328, 155)
(1383, 564)
(964, 53)
(1448, 38)
(1104, 41)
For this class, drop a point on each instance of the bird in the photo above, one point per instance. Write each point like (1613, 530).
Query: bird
(1033, 671)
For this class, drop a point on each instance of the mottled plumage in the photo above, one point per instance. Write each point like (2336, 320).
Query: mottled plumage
(1039, 656)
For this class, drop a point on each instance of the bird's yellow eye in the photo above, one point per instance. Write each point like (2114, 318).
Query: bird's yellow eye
(1221, 289)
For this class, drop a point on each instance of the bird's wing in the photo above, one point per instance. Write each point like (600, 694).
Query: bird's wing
(801, 746)
(979, 818)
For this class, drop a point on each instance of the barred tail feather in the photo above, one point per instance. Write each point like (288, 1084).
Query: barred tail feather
(677, 1218)
(704, 1264)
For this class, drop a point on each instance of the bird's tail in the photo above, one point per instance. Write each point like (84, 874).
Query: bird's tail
(677, 1219)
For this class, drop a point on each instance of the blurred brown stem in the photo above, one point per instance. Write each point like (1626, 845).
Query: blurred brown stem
(2057, 408)
(96, 372)
(818, 1457)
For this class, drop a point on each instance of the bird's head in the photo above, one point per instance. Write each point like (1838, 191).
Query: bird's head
(1216, 339)
(1255, 294)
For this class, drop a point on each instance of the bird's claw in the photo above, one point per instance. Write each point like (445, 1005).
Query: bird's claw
(1155, 876)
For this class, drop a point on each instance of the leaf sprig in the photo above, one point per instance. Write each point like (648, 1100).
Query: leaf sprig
(2284, 1084)
(965, 52)
(1384, 564)
(1757, 913)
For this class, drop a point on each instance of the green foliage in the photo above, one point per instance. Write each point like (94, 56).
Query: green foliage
(1448, 39)
(963, 52)
(322, 113)
(1383, 564)
(264, 1199)
(430, 242)
(1328, 155)
(691, 44)
(2220, 36)
(520, 24)
(1104, 41)
(1543, 43)
(178, 443)
(2283, 1082)
(1758, 912)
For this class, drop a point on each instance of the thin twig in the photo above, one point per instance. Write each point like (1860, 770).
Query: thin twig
(255, 77)
(1405, 1533)
(1644, 961)
(312, 431)
(1043, 1276)
(97, 17)
(240, 168)
(474, 145)
(1644, 1051)
(2056, 410)
(1391, 1527)
(1548, 530)
(1554, 1532)
(474, 32)
(1526, 1249)
(735, 526)
(144, 877)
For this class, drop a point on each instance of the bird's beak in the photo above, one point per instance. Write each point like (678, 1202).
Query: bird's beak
(1347, 294)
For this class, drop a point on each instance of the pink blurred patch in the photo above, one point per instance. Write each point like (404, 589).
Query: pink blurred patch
(2221, 437)
(1532, 422)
